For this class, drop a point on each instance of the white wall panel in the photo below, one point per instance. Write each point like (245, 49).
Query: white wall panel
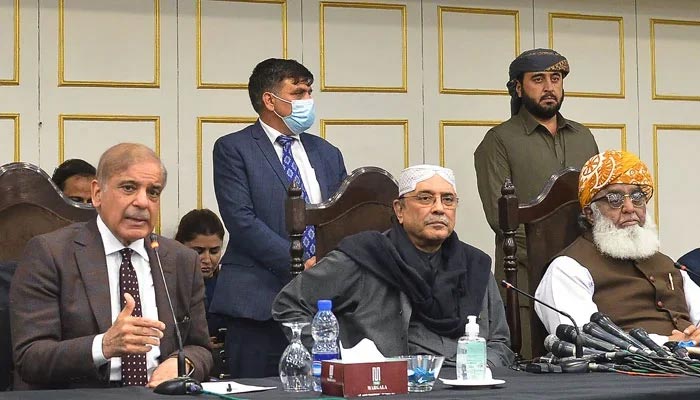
(235, 36)
(578, 37)
(365, 141)
(470, 42)
(598, 37)
(609, 136)
(675, 45)
(19, 87)
(224, 29)
(458, 141)
(9, 138)
(208, 131)
(9, 42)
(100, 89)
(100, 132)
(122, 46)
(465, 90)
(675, 158)
(364, 55)
(378, 32)
(668, 119)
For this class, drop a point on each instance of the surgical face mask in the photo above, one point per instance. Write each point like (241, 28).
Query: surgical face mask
(302, 116)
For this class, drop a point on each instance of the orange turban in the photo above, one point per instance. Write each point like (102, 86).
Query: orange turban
(611, 167)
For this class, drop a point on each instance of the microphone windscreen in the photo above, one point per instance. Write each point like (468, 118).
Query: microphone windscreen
(549, 341)
(566, 332)
(154, 241)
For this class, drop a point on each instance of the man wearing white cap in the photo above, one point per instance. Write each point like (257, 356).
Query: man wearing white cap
(409, 289)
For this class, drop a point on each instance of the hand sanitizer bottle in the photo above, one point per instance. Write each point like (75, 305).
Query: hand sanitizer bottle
(471, 353)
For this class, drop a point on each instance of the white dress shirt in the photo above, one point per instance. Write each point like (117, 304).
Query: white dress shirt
(149, 310)
(568, 286)
(308, 175)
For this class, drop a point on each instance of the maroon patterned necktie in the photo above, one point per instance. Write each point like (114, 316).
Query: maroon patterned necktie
(133, 365)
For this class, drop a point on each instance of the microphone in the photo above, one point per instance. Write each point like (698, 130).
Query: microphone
(595, 330)
(642, 335)
(565, 351)
(606, 323)
(678, 351)
(684, 268)
(183, 384)
(607, 367)
(568, 333)
(576, 365)
(579, 344)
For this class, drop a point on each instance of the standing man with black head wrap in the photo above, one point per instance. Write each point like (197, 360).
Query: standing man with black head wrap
(536, 142)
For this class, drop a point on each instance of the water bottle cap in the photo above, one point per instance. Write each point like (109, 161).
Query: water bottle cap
(325, 305)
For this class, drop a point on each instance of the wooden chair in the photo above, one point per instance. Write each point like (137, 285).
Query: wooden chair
(551, 224)
(363, 202)
(30, 204)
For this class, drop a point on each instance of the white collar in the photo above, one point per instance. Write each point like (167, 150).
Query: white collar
(273, 133)
(113, 245)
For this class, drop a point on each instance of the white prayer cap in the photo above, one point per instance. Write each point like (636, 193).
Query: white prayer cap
(411, 176)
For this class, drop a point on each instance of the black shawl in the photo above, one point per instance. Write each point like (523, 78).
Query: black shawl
(442, 305)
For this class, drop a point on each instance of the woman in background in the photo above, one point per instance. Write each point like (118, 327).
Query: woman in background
(202, 231)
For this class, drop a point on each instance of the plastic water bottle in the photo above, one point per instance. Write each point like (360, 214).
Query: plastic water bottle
(324, 330)
(471, 353)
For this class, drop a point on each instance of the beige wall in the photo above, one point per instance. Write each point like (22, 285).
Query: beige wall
(397, 83)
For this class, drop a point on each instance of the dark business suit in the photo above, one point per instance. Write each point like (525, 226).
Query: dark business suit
(251, 189)
(59, 301)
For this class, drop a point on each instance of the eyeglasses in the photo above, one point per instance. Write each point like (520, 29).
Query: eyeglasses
(426, 199)
(617, 199)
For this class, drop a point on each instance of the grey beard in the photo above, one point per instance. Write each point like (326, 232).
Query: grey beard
(629, 243)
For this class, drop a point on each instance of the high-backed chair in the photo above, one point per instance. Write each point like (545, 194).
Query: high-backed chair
(363, 202)
(551, 224)
(30, 204)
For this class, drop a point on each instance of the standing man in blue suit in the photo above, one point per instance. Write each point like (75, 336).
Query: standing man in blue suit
(252, 170)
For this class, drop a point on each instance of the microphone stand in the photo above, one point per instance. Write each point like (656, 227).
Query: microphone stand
(579, 339)
(182, 384)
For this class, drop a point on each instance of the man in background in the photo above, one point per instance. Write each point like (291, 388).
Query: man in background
(252, 170)
(535, 143)
(74, 178)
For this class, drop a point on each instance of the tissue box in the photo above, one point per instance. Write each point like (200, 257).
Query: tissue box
(364, 379)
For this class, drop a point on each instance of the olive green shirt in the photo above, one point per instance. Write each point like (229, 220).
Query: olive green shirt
(524, 150)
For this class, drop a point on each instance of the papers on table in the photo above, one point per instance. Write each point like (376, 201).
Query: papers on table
(230, 387)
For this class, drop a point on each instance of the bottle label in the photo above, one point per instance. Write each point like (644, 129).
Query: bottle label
(317, 358)
(476, 360)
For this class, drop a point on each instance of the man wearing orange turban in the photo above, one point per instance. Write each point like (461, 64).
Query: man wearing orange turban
(615, 267)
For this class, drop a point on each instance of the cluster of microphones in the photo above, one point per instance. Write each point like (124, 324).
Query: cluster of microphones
(605, 347)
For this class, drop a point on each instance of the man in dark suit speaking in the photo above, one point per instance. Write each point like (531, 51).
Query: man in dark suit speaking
(88, 304)
(252, 170)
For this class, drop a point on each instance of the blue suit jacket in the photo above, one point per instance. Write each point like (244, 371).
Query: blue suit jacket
(251, 189)
(692, 261)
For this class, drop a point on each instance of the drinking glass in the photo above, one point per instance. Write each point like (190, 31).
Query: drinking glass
(423, 370)
(295, 364)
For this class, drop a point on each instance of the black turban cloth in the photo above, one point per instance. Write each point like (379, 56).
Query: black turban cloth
(534, 60)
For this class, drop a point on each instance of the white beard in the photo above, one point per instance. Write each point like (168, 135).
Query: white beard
(629, 243)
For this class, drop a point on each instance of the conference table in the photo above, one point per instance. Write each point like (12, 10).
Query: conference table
(519, 385)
